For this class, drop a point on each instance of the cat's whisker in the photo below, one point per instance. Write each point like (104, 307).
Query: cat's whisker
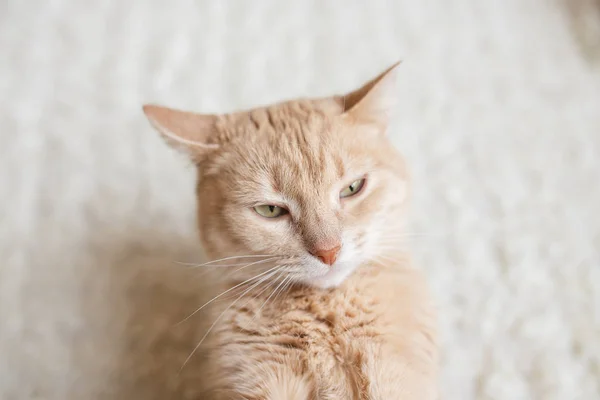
(218, 265)
(274, 291)
(378, 259)
(392, 250)
(388, 249)
(287, 286)
(254, 263)
(398, 247)
(281, 271)
(225, 259)
(244, 266)
(405, 238)
(387, 257)
(221, 316)
(393, 241)
(412, 234)
(229, 274)
(397, 242)
(287, 279)
(261, 291)
(409, 233)
(227, 291)
(262, 280)
(384, 259)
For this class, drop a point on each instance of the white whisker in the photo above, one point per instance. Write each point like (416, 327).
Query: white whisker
(274, 291)
(219, 318)
(286, 280)
(227, 291)
(254, 263)
(384, 259)
(284, 288)
(262, 290)
(224, 259)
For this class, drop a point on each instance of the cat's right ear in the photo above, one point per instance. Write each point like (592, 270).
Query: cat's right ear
(186, 131)
(375, 101)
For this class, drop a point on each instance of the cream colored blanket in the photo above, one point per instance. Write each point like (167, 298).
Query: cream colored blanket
(499, 119)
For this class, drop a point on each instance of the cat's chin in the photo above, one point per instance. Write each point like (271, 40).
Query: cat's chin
(334, 277)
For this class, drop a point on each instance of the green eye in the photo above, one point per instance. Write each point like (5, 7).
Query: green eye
(353, 188)
(270, 211)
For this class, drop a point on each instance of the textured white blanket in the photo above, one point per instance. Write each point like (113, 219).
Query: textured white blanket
(499, 118)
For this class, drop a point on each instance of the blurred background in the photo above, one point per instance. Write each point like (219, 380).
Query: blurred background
(499, 119)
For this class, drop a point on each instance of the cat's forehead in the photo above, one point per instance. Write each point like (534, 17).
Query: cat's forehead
(296, 150)
(293, 150)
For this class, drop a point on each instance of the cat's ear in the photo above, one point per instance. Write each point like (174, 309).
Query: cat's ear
(374, 102)
(190, 132)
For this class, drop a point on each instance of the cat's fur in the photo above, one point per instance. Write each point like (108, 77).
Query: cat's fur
(363, 328)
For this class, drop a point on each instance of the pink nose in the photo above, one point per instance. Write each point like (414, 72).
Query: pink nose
(328, 256)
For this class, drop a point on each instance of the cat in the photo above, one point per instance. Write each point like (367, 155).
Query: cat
(301, 205)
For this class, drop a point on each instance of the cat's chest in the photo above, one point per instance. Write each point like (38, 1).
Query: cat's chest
(327, 324)
(367, 307)
(342, 340)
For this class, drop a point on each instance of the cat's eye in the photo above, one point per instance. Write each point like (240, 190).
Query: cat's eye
(270, 211)
(352, 188)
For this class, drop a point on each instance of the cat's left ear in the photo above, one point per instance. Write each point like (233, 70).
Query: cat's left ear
(190, 132)
(375, 101)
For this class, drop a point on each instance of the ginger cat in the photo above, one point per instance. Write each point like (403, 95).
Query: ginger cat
(301, 206)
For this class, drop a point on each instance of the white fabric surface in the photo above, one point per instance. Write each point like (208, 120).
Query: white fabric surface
(499, 119)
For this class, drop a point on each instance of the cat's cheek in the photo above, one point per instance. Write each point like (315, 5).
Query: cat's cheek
(262, 235)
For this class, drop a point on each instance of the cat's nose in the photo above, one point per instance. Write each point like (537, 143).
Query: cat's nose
(328, 256)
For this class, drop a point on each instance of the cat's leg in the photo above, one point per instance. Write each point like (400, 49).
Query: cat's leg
(397, 376)
(265, 382)
(283, 384)
(277, 385)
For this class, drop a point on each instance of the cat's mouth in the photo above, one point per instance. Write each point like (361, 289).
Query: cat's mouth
(333, 277)
(328, 276)
(310, 270)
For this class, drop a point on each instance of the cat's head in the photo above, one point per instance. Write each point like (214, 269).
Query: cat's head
(314, 183)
